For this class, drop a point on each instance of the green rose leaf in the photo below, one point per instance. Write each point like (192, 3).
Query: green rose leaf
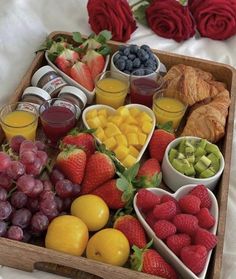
(183, 2)
(140, 15)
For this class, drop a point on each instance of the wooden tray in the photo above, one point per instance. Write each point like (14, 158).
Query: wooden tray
(27, 256)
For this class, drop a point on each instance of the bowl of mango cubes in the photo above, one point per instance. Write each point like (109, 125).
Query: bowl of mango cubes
(126, 131)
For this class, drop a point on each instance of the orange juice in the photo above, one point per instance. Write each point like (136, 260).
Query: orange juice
(111, 91)
(20, 122)
(168, 109)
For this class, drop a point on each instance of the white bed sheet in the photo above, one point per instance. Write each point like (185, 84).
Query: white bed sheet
(24, 25)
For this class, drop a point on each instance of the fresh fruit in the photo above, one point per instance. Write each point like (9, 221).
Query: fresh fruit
(205, 219)
(83, 140)
(67, 234)
(189, 204)
(201, 192)
(146, 200)
(165, 211)
(132, 229)
(71, 161)
(151, 262)
(149, 174)
(80, 73)
(205, 238)
(108, 246)
(5, 161)
(186, 223)
(99, 169)
(159, 141)
(177, 241)
(95, 62)
(164, 228)
(66, 59)
(92, 210)
(194, 257)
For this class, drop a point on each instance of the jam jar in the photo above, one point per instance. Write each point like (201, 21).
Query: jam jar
(48, 79)
(36, 96)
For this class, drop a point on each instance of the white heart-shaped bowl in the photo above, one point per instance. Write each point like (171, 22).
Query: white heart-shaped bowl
(175, 179)
(112, 110)
(70, 81)
(161, 247)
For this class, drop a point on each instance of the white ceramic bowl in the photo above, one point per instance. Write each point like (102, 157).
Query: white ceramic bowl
(174, 179)
(112, 110)
(70, 81)
(162, 248)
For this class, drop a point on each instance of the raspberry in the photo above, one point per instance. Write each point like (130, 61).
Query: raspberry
(201, 192)
(146, 200)
(163, 229)
(205, 219)
(177, 241)
(150, 219)
(205, 238)
(166, 210)
(189, 204)
(166, 198)
(186, 223)
(194, 257)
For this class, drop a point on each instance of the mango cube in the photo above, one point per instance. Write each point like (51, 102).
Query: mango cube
(100, 134)
(131, 120)
(110, 143)
(145, 117)
(91, 114)
(121, 152)
(132, 139)
(129, 161)
(103, 120)
(147, 127)
(121, 140)
(94, 122)
(134, 112)
(123, 111)
(103, 112)
(131, 129)
(112, 130)
(116, 119)
(133, 151)
(142, 138)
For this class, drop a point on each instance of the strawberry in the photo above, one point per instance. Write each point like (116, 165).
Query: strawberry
(205, 238)
(80, 73)
(189, 204)
(186, 223)
(194, 257)
(165, 211)
(95, 62)
(166, 198)
(205, 219)
(66, 59)
(201, 192)
(149, 174)
(83, 140)
(159, 141)
(132, 229)
(151, 262)
(177, 241)
(71, 161)
(146, 200)
(99, 169)
(164, 228)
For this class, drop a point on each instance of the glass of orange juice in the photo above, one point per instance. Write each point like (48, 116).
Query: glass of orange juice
(111, 89)
(19, 119)
(168, 109)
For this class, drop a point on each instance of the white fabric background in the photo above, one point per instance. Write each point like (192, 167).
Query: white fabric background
(24, 25)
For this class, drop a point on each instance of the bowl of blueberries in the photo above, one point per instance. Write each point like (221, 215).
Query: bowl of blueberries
(130, 58)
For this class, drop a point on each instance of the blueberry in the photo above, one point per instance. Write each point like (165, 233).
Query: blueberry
(133, 49)
(116, 57)
(131, 56)
(143, 55)
(124, 57)
(151, 64)
(121, 48)
(136, 63)
(128, 65)
(126, 51)
(152, 56)
(139, 72)
(148, 71)
(146, 48)
(120, 64)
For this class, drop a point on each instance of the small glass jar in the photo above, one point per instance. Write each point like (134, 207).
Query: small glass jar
(48, 79)
(35, 96)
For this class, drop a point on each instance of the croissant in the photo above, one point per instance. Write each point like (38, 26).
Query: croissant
(190, 85)
(208, 121)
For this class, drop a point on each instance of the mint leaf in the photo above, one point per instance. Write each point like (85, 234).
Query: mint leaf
(77, 37)
(140, 14)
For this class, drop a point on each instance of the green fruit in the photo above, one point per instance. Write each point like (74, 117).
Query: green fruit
(173, 154)
(207, 173)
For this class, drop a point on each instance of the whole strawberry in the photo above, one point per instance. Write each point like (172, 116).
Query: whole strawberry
(71, 161)
(99, 169)
(132, 229)
(149, 174)
(151, 262)
(159, 141)
(83, 140)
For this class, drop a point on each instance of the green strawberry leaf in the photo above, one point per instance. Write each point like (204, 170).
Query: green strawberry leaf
(76, 36)
(45, 45)
(122, 184)
(167, 126)
(104, 50)
(132, 172)
(103, 36)
(140, 15)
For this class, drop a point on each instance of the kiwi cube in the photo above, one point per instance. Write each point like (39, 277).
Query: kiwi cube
(173, 154)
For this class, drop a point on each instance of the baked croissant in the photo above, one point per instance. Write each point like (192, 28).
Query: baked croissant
(190, 85)
(208, 121)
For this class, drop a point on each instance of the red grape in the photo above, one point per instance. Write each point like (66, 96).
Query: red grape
(43, 156)
(40, 145)
(5, 210)
(16, 169)
(48, 206)
(5, 181)
(18, 199)
(25, 184)
(28, 145)
(76, 190)
(5, 161)
(47, 185)
(32, 205)
(3, 228)
(16, 142)
(38, 188)
(64, 188)
(39, 222)
(56, 175)
(59, 203)
(3, 194)
(35, 167)
(21, 218)
(15, 233)
(27, 157)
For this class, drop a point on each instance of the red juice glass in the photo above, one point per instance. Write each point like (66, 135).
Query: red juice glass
(57, 117)
(142, 88)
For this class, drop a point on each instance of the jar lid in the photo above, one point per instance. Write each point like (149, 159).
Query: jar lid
(40, 73)
(76, 92)
(31, 90)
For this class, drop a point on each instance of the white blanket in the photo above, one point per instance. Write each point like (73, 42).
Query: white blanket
(24, 25)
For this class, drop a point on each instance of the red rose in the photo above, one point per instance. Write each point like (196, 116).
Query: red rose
(215, 19)
(112, 15)
(169, 19)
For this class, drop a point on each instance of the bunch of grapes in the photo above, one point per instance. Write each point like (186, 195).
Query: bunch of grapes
(27, 202)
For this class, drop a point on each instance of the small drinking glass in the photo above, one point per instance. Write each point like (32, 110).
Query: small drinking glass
(142, 88)
(111, 89)
(58, 117)
(19, 118)
(168, 109)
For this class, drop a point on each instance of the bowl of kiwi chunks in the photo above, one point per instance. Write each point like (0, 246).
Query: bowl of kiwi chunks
(192, 160)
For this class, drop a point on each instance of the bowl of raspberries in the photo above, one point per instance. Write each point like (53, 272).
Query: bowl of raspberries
(130, 58)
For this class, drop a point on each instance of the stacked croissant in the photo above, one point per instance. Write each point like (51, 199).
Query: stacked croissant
(207, 99)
